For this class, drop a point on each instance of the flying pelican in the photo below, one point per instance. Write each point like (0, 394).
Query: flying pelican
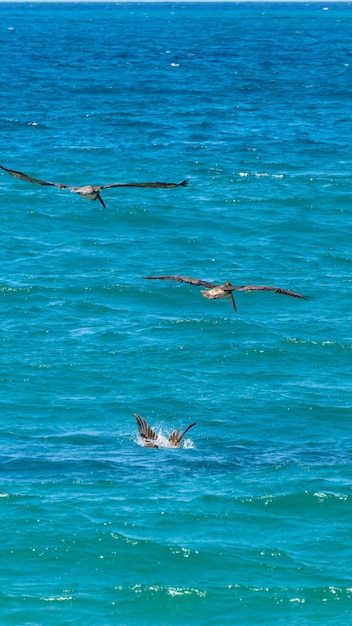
(151, 440)
(91, 192)
(225, 291)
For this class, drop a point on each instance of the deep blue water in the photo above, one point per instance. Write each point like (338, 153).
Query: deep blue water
(250, 522)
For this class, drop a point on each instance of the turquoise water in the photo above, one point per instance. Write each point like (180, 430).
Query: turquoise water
(250, 522)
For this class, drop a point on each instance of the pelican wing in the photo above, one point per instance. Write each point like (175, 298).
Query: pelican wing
(144, 429)
(30, 179)
(38, 181)
(154, 185)
(183, 279)
(176, 438)
(284, 292)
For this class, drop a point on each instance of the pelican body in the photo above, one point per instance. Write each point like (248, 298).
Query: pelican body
(220, 291)
(150, 438)
(90, 192)
(214, 291)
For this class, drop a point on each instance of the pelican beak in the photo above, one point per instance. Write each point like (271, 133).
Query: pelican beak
(101, 200)
(233, 303)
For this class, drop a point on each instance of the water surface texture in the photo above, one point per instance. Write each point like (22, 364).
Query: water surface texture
(250, 522)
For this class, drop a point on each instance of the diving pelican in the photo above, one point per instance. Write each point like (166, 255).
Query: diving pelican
(91, 192)
(226, 290)
(150, 438)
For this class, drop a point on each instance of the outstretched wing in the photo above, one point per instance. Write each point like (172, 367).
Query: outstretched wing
(30, 179)
(183, 279)
(144, 429)
(38, 181)
(176, 438)
(159, 185)
(284, 292)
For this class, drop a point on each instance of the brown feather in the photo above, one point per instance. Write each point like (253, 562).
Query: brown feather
(29, 179)
(183, 279)
(90, 192)
(144, 429)
(153, 185)
(226, 290)
(284, 292)
(175, 437)
(148, 435)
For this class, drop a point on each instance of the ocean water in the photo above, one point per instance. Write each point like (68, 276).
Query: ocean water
(250, 521)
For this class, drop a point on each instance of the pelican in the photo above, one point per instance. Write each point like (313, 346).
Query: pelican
(150, 438)
(225, 291)
(91, 192)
